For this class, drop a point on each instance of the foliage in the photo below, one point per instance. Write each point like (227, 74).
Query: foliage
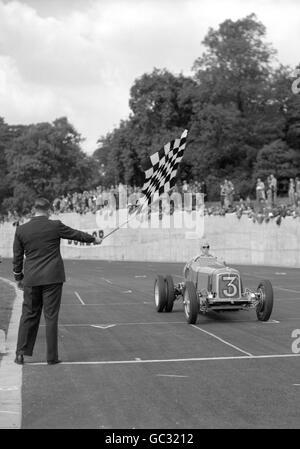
(46, 159)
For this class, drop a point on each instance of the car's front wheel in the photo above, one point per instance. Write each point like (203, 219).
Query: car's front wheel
(160, 296)
(191, 303)
(265, 306)
(170, 291)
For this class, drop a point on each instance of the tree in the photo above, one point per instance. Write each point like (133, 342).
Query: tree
(160, 100)
(277, 158)
(7, 134)
(161, 105)
(236, 65)
(293, 115)
(4, 186)
(236, 108)
(46, 159)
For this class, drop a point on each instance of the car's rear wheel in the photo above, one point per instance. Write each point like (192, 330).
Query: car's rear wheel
(170, 293)
(191, 304)
(265, 306)
(160, 296)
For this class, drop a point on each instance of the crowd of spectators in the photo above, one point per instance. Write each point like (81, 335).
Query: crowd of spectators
(93, 200)
(13, 217)
(263, 208)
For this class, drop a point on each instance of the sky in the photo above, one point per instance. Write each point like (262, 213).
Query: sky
(79, 58)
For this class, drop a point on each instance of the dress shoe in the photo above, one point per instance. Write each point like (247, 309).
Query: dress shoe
(53, 362)
(19, 359)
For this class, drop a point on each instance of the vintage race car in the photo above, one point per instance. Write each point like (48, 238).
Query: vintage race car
(211, 285)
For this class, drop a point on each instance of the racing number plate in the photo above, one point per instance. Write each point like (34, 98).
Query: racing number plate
(229, 286)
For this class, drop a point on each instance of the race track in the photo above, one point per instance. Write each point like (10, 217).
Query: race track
(127, 366)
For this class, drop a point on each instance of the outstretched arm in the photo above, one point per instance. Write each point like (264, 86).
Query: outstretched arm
(65, 232)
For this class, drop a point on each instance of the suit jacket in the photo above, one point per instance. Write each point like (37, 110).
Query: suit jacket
(39, 241)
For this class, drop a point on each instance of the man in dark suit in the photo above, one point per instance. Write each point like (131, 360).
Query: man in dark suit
(42, 281)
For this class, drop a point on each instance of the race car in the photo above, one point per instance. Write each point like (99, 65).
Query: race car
(211, 285)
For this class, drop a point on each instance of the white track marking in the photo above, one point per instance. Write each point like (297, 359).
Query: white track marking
(286, 289)
(113, 304)
(271, 322)
(140, 276)
(252, 275)
(10, 373)
(8, 388)
(102, 326)
(223, 341)
(169, 375)
(280, 274)
(119, 324)
(195, 359)
(106, 280)
(79, 298)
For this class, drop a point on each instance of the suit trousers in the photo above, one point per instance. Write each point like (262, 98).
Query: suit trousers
(48, 298)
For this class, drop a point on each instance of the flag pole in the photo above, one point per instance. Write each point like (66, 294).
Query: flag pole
(135, 213)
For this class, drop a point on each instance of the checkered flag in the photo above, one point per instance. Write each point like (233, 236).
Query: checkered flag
(161, 168)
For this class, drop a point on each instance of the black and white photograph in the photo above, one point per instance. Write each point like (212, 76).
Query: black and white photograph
(149, 217)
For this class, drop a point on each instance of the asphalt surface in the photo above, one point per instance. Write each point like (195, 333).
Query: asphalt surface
(127, 366)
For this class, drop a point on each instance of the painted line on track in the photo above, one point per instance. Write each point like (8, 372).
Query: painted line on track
(223, 341)
(79, 298)
(112, 304)
(117, 324)
(10, 373)
(106, 280)
(194, 359)
(286, 289)
(169, 375)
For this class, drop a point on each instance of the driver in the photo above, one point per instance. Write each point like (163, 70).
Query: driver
(205, 253)
(205, 250)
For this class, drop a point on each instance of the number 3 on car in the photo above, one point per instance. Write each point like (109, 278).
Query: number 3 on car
(229, 286)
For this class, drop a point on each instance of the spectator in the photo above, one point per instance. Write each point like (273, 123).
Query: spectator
(260, 190)
(230, 192)
(292, 192)
(297, 191)
(273, 187)
(185, 187)
(269, 193)
(223, 193)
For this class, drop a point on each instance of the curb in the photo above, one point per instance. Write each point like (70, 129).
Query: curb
(10, 373)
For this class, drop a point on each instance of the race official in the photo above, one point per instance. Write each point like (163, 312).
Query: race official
(43, 277)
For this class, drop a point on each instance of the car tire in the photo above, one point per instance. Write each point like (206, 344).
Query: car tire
(265, 307)
(170, 293)
(160, 296)
(191, 304)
